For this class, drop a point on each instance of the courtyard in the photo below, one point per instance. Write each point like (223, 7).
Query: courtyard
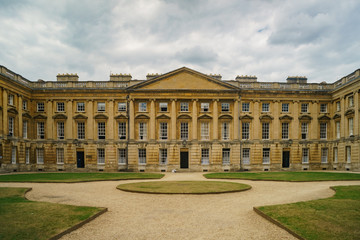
(150, 216)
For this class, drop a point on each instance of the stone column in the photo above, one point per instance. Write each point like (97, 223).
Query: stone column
(69, 120)
(356, 115)
(49, 133)
(256, 125)
(194, 119)
(132, 119)
(236, 119)
(152, 119)
(5, 113)
(111, 129)
(215, 119)
(89, 133)
(173, 119)
(20, 125)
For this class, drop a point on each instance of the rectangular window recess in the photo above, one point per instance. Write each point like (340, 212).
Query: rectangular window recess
(324, 169)
(163, 170)
(142, 170)
(305, 169)
(348, 169)
(205, 170)
(101, 170)
(14, 170)
(334, 168)
(226, 170)
(60, 169)
(40, 169)
(246, 170)
(266, 169)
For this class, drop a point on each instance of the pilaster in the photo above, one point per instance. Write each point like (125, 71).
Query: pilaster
(215, 133)
(236, 119)
(152, 119)
(132, 119)
(69, 125)
(173, 119)
(194, 119)
(5, 113)
(49, 121)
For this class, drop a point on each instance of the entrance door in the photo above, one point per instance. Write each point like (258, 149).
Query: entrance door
(184, 159)
(286, 159)
(80, 159)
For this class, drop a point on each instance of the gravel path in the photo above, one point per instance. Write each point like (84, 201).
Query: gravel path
(148, 216)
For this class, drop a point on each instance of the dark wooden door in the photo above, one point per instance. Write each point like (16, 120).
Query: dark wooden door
(80, 159)
(286, 159)
(184, 159)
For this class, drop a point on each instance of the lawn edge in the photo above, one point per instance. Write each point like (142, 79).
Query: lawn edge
(271, 180)
(277, 223)
(83, 181)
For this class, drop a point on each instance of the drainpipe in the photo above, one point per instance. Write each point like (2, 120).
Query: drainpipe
(128, 132)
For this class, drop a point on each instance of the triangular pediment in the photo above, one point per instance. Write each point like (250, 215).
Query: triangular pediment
(80, 116)
(183, 79)
(101, 116)
(26, 115)
(121, 116)
(60, 116)
(225, 116)
(163, 116)
(40, 116)
(286, 117)
(336, 116)
(204, 116)
(184, 116)
(248, 117)
(324, 118)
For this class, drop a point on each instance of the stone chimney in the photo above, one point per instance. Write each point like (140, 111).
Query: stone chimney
(152, 75)
(120, 77)
(246, 78)
(67, 77)
(296, 79)
(217, 76)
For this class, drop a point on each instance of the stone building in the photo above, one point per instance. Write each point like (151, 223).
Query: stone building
(182, 120)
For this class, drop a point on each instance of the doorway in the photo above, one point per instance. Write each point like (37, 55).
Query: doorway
(80, 159)
(286, 159)
(184, 159)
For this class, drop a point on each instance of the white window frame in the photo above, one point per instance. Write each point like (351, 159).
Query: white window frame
(225, 131)
(323, 107)
(11, 126)
(163, 107)
(60, 130)
(204, 130)
(101, 106)
(184, 106)
(163, 131)
(338, 106)
(142, 130)
(351, 126)
(285, 107)
(323, 130)
(351, 101)
(246, 156)
(24, 105)
(304, 130)
(25, 129)
(122, 107)
(265, 107)
(336, 155)
(245, 107)
(81, 130)
(60, 156)
(40, 107)
(265, 130)
(304, 107)
(348, 154)
(13, 155)
(305, 155)
(205, 107)
(11, 99)
(80, 107)
(285, 130)
(245, 130)
(122, 130)
(338, 131)
(266, 156)
(40, 156)
(60, 107)
(226, 156)
(101, 156)
(40, 130)
(205, 156)
(101, 130)
(163, 156)
(142, 107)
(142, 156)
(27, 155)
(122, 156)
(184, 131)
(225, 107)
(324, 155)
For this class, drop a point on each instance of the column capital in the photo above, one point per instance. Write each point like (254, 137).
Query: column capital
(215, 100)
(173, 99)
(152, 99)
(194, 99)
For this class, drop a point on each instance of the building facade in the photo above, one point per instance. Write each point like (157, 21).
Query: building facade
(182, 120)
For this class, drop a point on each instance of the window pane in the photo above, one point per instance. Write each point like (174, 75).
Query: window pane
(226, 155)
(246, 107)
(142, 156)
(122, 156)
(184, 107)
(122, 130)
(246, 155)
(184, 131)
(225, 107)
(205, 156)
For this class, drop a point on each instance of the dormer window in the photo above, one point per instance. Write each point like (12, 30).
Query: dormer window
(204, 107)
(163, 107)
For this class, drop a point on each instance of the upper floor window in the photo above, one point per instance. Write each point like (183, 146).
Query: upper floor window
(285, 107)
(205, 107)
(245, 107)
(265, 107)
(163, 131)
(25, 129)
(81, 130)
(245, 130)
(184, 107)
(61, 130)
(25, 105)
(265, 131)
(338, 108)
(121, 107)
(351, 126)
(184, 131)
(205, 131)
(351, 101)
(337, 129)
(323, 108)
(122, 130)
(11, 126)
(285, 130)
(40, 107)
(323, 130)
(60, 106)
(163, 107)
(225, 131)
(80, 107)
(11, 99)
(304, 130)
(101, 130)
(225, 107)
(142, 107)
(304, 107)
(142, 131)
(40, 130)
(101, 107)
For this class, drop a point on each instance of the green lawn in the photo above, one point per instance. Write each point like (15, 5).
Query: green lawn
(337, 217)
(23, 219)
(75, 177)
(286, 176)
(184, 187)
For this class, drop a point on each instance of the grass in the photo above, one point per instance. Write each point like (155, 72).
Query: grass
(24, 219)
(287, 176)
(337, 217)
(75, 177)
(184, 187)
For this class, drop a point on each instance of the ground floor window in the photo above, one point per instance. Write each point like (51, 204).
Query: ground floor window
(40, 156)
(246, 155)
(324, 155)
(142, 156)
(13, 155)
(335, 155)
(226, 155)
(205, 156)
(305, 155)
(266, 155)
(348, 154)
(101, 155)
(122, 156)
(163, 156)
(27, 155)
(60, 155)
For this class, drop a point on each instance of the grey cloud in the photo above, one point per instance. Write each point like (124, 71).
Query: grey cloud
(196, 55)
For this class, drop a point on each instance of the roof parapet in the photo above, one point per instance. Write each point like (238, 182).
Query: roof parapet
(120, 77)
(152, 75)
(216, 76)
(246, 78)
(67, 77)
(296, 79)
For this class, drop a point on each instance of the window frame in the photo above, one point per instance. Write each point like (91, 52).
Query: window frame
(163, 107)
(323, 107)
(122, 129)
(60, 156)
(184, 107)
(60, 107)
(304, 108)
(80, 106)
(11, 126)
(225, 107)
(245, 107)
(285, 107)
(40, 155)
(142, 156)
(163, 156)
(60, 130)
(142, 130)
(11, 99)
(80, 130)
(324, 155)
(323, 130)
(266, 156)
(265, 107)
(40, 107)
(205, 131)
(305, 155)
(122, 107)
(265, 130)
(245, 156)
(101, 130)
(205, 107)
(184, 130)
(142, 107)
(226, 156)
(101, 106)
(122, 156)
(205, 156)
(163, 131)
(225, 131)
(40, 130)
(101, 156)
(245, 135)
(285, 130)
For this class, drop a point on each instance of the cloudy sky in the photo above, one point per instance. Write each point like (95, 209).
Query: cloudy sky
(271, 39)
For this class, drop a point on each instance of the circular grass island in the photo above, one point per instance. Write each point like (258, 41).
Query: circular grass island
(184, 187)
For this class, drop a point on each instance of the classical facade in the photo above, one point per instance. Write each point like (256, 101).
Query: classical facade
(182, 120)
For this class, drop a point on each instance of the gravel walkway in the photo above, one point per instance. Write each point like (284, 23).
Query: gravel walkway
(148, 216)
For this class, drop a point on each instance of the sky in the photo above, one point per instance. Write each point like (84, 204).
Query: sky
(272, 39)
